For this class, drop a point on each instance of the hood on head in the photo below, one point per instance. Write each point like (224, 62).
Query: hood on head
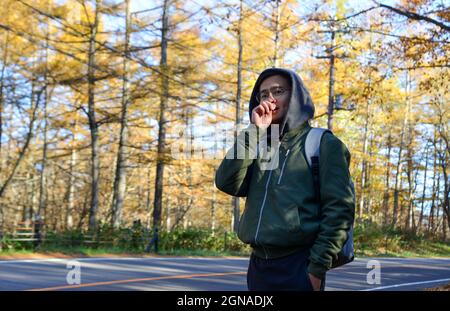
(301, 107)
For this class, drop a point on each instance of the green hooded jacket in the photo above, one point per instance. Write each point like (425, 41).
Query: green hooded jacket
(281, 214)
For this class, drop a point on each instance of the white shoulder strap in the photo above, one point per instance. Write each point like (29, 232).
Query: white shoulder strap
(312, 143)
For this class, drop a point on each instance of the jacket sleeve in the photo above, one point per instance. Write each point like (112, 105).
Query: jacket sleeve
(337, 204)
(234, 173)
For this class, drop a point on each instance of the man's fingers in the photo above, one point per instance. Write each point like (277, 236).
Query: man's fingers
(271, 106)
(259, 110)
(266, 107)
(263, 109)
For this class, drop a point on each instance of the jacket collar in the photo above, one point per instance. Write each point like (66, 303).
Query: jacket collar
(299, 130)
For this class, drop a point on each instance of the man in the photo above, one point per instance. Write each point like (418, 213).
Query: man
(293, 234)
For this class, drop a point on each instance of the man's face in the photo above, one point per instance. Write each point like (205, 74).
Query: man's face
(281, 101)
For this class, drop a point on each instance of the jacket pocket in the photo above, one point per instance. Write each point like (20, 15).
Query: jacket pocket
(282, 167)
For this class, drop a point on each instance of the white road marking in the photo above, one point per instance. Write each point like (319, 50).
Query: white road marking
(405, 284)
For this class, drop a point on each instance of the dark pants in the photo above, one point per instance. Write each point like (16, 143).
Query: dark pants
(285, 273)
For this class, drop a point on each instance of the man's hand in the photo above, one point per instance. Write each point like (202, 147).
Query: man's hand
(315, 282)
(262, 115)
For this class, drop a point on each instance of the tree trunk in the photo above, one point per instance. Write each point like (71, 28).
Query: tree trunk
(438, 206)
(213, 208)
(19, 160)
(43, 175)
(54, 218)
(277, 32)
(84, 212)
(369, 203)
(444, 224)
(443, 153)
(71, 188)
(24, 148)
(162, 119)
(167, 199)
(148, 201)
(120, 176)
(30, 206)
(399, 163)
(412, 199)
(93, 125)
(386, 190)
(331, 85)
(2, 86)
(424, 188)
(446, 202)
(445, 160)
(190, 125)
(214, 202)
(408, 220)
(235, 200)
(396, 190)
(433, 192)
(363, 181)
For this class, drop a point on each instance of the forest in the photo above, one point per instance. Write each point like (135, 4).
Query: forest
(93, 94)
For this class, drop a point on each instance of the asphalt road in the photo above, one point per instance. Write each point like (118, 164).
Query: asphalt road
(207, 274)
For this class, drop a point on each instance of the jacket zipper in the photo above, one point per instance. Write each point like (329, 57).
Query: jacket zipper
(282, 168)
(261, 210)
(263, 203)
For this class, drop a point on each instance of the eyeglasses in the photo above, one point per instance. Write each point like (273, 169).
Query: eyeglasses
(276, 91)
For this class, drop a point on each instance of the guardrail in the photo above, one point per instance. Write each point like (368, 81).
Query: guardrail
(32, 236)
(25, 232)
(32, 232)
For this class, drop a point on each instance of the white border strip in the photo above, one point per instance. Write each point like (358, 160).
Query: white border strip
(404, 284)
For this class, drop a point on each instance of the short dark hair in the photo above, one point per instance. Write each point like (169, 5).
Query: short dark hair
(283, 75)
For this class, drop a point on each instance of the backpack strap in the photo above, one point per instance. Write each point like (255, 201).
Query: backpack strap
(312, 154)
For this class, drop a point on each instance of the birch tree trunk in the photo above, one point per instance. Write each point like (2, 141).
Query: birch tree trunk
(71, 188)
(120, 176)
(399, 163)
(423, 189)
